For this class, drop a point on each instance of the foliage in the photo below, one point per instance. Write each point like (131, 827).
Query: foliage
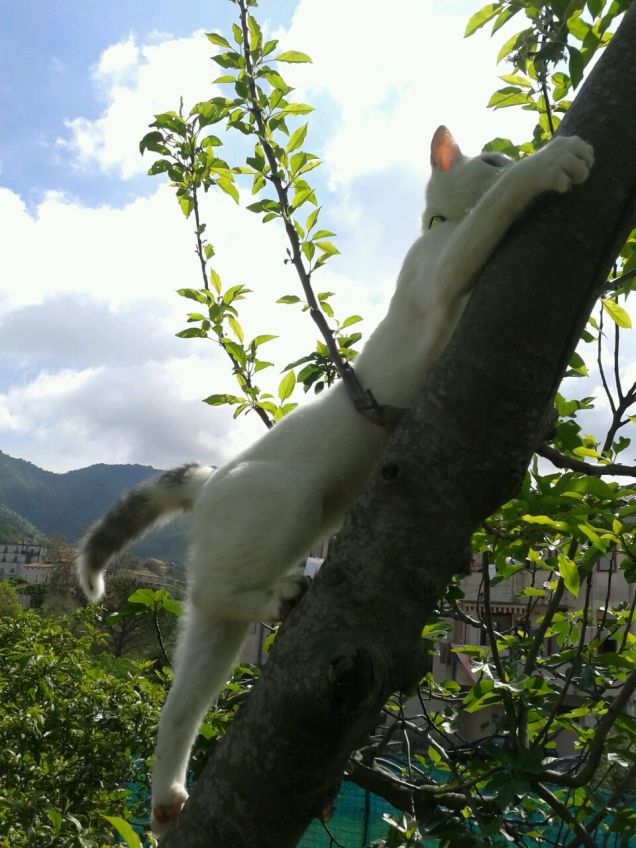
(263, 111)
(76, 727)
(10, 605)
(145, 610)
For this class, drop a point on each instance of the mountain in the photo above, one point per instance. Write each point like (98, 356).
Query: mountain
(67, 504)
(14, 527)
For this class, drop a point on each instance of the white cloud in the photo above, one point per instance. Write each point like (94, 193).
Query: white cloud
(395, 78)
(137, 82)
(87, 304)
(97, 374)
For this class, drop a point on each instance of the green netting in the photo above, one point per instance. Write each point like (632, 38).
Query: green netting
(356, 821)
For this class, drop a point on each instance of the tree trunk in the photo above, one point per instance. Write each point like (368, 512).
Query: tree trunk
(355, 638)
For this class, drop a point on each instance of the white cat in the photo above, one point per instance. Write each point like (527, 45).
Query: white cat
(257, 517)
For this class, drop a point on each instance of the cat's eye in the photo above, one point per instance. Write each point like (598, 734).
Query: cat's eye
(492, 160)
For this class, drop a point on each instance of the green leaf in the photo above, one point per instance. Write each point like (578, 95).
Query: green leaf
(288, 298)
(562, 526)
(56, 818)
(327, 247)
(286, 386)
(297, 138)
(192, 333)
(570, 574)
(296, 109)
(216, 281)
(238, 330)
(510, 45)
(312, 218)
(576, 65)
(220, 400)
(257, 341)
(580, 450)
(153, 141)
(187, 205)
(292, 56)
(476, 21)
(510, 95)
(617, 313)
(516, 79)
(255, 33)
(578, 365)
(124, 829)
(532, 592)
(352, 319)
(193, 294)
(237, 292)
(228, 60)
(226, 185)
(215, 38)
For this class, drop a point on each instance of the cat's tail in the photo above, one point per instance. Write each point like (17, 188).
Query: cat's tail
(134, 514)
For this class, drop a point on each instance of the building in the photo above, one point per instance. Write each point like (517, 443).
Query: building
(511, 609)
(14, 556)
(38, 572)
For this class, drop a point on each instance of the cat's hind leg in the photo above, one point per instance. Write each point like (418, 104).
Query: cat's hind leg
(207, 650)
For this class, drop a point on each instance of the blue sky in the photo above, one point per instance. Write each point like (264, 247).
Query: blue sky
(93, 249)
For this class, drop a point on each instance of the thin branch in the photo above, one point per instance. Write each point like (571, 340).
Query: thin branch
(599, 360)
(562, 811)
(363, 400)
(612, 285)
(604, 726)
(562, 461)
(608, 593)
(570, 674)
(406, 796)
(267, 421)
(199, 247)
(617, 373)
(160, 637)
(614, 798)
(628, 625)
(555, 600)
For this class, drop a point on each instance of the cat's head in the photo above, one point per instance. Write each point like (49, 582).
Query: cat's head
(457, 181)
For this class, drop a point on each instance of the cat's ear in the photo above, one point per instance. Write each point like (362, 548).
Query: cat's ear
(445, 152)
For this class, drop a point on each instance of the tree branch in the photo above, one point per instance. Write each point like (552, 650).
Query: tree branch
(361, 399)
(562, 461)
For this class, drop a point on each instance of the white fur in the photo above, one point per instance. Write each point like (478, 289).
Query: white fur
(257, 517)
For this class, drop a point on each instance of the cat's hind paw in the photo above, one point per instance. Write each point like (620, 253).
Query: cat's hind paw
(289, 590)
(166, 809)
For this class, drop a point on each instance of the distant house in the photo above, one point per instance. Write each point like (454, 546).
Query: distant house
(14, 556)
(38, 572)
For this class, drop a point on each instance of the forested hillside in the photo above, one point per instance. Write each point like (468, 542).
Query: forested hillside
(34, 501)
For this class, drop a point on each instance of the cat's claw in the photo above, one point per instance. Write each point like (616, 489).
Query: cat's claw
(165, 812)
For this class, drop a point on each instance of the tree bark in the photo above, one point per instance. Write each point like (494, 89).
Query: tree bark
(459, 454)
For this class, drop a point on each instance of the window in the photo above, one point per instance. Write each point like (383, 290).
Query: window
(501, 621)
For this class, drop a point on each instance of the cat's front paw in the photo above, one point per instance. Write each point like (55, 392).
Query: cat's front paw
(565, 161)
(166, 807)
